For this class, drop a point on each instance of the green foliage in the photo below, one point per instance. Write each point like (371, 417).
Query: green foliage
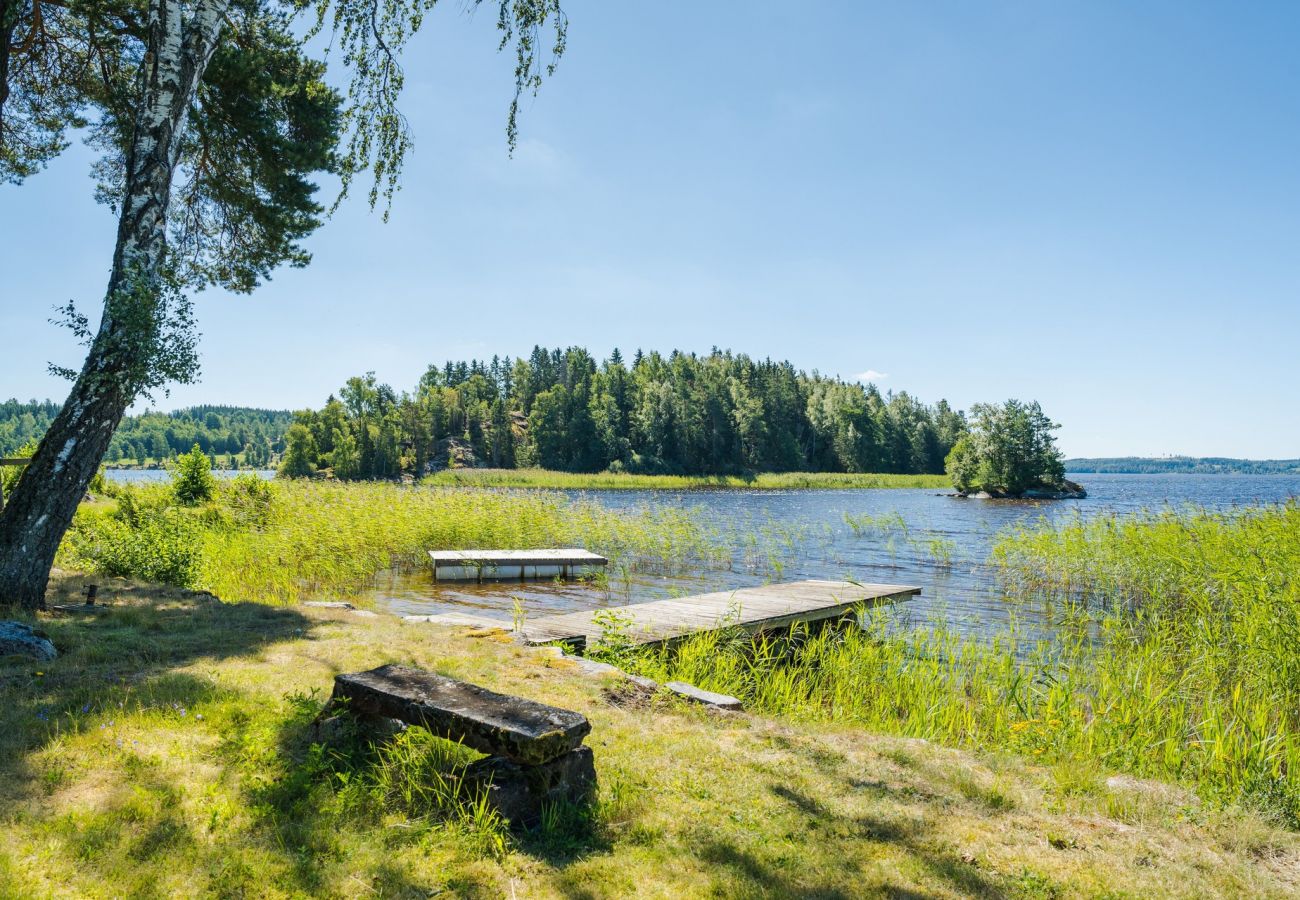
(716, 415)
(9, 475)
(143, 538)
(192, 481)
(289, 540)
(300, 453)
(1009, 449)
(247, 437)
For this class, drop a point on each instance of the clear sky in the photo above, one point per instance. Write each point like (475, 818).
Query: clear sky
(1092, 204)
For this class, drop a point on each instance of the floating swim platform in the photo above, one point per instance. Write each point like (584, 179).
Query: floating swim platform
(514, 565)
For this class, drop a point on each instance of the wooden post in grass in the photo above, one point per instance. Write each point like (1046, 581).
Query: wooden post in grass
(9, 462)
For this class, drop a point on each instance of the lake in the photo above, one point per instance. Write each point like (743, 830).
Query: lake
(799, 534)
(137, 476)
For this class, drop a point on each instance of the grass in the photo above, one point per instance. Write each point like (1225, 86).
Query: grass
(1174, 659)
(166, 752)
(287, 541)
(543, 478)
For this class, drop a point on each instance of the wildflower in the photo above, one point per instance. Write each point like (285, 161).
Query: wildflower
(86, 708)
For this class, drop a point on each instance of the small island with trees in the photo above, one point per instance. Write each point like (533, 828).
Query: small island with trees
(1009, 452)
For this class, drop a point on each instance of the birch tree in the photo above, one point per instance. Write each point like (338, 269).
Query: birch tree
(211, 118)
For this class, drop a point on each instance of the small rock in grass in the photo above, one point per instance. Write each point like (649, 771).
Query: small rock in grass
(699, 695)
(17, 639)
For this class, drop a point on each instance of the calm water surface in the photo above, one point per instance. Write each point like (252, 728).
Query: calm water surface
(793, 535)
(135, 476)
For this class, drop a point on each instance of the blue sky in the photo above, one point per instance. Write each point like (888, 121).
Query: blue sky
(1096, 205)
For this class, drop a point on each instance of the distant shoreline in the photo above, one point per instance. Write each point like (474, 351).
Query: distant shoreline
(1181, 465)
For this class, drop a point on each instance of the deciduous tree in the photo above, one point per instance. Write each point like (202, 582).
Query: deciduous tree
(211, 119)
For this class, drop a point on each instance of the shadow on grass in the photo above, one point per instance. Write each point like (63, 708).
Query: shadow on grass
(123, 657)
(941, 864)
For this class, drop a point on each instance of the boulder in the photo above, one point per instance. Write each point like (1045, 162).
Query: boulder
(520, 793)
(525, 731)
(17, 639)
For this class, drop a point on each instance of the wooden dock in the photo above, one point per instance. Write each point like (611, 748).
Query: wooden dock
(506, 565)
(663, 621)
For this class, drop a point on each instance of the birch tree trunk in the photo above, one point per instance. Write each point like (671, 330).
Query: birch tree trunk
(44, 501)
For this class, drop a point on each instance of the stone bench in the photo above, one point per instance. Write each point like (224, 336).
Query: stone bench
(535, 751)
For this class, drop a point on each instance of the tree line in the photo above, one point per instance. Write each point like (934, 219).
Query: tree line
(1184, 465)
(683, 413)
(251, 438)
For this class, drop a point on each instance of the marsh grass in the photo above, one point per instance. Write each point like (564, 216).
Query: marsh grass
(1174, 658)
(300, 539)
(543, 478)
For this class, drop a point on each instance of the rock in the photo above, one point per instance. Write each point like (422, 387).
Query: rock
(1069, 490)
(519, 793)
(17, 639)
(699, 695)
(524, 730)
(339, 604)
(593, 666)
(338, 729)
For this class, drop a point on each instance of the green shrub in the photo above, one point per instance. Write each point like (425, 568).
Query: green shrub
(192, 481)
(164, 547)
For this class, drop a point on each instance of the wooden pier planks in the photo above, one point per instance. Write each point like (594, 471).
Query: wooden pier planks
(753, 609)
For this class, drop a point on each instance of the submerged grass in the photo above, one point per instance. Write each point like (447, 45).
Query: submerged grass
(543, 478)
(1175, 659)
(286, 541)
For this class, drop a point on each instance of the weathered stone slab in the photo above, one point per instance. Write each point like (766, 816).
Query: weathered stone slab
(519, 793)
(699, 695)
(523, 730)
(17, 639)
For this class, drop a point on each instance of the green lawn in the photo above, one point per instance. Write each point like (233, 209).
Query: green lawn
(166, 753)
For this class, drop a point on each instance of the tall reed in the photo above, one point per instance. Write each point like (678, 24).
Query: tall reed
(303, 539)
(1176, 658)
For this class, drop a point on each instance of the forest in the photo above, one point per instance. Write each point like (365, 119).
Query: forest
(720, 413)
(1184, 465)
(246, 438)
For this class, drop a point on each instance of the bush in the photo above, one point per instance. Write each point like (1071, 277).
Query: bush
(149, 543)
(192, 483)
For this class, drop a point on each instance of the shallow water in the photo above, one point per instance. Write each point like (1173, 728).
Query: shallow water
(800, 534)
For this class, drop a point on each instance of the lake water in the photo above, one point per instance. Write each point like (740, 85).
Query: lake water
(804, 534)
(136, 476)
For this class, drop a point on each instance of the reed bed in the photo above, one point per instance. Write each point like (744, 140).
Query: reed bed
(543, 478)
(287, 541)
(1175, 659)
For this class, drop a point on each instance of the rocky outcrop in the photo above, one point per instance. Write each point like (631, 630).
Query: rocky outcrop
(17, 639)
(1069, 490)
